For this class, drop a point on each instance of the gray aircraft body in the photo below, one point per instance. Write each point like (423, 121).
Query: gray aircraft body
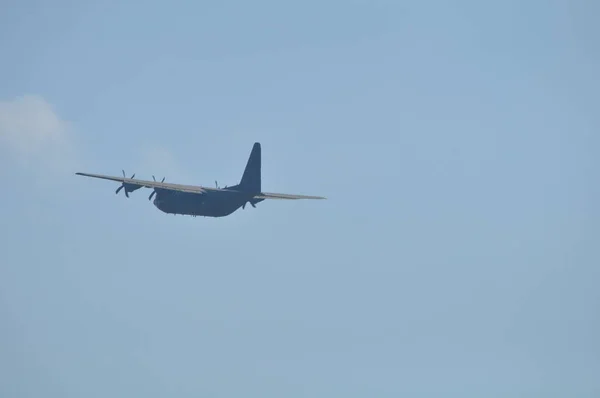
(197, 200)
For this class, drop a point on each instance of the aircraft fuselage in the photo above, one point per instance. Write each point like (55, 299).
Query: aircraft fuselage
(208, 204)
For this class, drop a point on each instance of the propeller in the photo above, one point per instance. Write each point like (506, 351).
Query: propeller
(252, 202)
(217, 185)
(154, 190)
(123, 185)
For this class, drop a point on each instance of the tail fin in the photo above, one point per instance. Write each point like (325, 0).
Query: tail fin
(251, 179)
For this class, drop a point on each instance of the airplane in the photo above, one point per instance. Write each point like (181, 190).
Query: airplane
(195, 200)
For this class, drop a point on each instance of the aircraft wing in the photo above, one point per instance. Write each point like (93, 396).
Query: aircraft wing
(190, 188)
(267, 195)
(152, 184)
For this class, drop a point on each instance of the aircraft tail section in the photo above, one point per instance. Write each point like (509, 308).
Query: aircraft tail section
(251, 178)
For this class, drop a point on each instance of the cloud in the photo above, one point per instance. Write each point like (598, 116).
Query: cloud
(33, 135)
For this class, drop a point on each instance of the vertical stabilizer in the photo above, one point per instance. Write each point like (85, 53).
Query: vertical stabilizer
(251, 179)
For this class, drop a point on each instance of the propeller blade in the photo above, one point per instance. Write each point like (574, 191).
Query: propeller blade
(133, 175)
(154, 190)
(123, 185)
(253, 205)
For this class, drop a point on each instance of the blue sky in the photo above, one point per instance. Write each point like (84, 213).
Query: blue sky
(456, 255)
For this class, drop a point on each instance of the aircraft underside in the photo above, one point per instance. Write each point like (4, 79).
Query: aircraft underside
(206, 205)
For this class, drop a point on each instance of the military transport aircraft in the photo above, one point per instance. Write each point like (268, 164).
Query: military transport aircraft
(197, 200)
